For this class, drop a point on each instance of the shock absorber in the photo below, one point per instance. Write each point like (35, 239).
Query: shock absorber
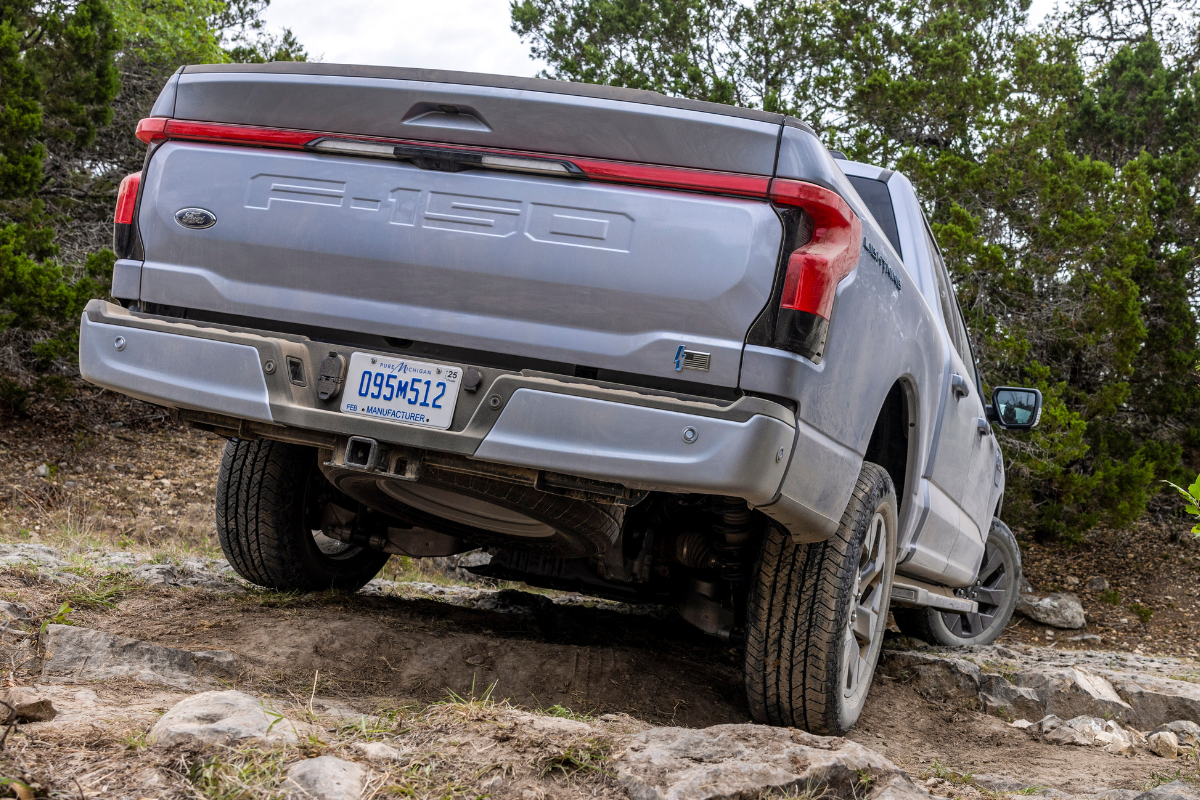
(732, 535)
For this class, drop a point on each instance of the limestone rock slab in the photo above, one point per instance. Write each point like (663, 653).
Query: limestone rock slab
(951, 679)
(729, 762)
(85, 654)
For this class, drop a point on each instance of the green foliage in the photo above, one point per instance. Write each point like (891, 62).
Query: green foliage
(75, 77)
(58, 617)
(1144, 613)
(1060, 168)
(1192, 496)
(57, 78)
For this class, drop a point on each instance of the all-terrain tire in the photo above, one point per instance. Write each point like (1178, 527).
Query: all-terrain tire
(264, 521)
(997, 590)
(803, 600)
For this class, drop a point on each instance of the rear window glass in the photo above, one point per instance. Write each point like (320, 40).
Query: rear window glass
(879, 202)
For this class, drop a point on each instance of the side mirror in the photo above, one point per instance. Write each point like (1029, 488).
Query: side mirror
(1014, 408)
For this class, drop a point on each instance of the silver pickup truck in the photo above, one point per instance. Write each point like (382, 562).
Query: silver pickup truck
(631, 345)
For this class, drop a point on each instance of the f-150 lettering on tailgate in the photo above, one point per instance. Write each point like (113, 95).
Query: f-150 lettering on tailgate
(460, 212)
(489, 216)
(266, 189)
(601, 230)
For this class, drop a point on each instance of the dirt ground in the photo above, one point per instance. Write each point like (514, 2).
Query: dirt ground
(118, 474)
(387, 652)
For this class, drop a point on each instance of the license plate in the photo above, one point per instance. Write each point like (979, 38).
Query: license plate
(397, 389)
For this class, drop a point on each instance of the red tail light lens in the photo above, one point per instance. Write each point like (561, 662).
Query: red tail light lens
(674, 177)
(815, 269)
(127, 198)
(154, 129)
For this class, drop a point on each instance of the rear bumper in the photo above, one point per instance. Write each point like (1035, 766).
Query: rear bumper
(638, 438)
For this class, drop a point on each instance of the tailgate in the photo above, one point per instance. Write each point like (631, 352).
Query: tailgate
(589, 274)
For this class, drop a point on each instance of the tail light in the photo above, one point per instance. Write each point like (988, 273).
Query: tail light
(453, 158)
(123, 233)
(822, 237)
(815, 268)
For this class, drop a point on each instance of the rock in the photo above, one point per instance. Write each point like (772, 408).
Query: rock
(1021, 724)
(1115, 794)
(156, 575)
(1186, 731)
(25, 705)
(1175, 790)
(1079, 731)
(377, 751)
(1061, 610)
(1000, 697)
(334, 710)
(1071, 580)
(328, 778)
(1096, 584)
(1088, 731)
(738, 761)
(16, 613)
(949, 679)
(1117, 740)
(458, 567)
(1156, 700)
(1136, 690)
(378, 587)
(85, 654)
(194, 573)
(225, 718)
(1035, 693)
(545, 725)
(1163, 744)
(42, 471)
(119, 559)
(39, 554)
(1048, 723)
(1087, 637)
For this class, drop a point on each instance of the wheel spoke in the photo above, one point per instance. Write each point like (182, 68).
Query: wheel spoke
(869, 573)
(864, 624)
(993, 597)
(850, 660)
(992, 561)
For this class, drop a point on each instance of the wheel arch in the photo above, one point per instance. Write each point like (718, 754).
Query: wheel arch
(895, 443)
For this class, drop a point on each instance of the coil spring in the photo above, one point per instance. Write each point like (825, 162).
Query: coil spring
(732, 535)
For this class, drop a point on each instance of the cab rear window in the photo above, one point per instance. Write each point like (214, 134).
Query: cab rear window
(879, 202)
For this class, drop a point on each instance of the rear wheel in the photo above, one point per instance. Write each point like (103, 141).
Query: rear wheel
(816, 615)
(996, 590)
(265, 496)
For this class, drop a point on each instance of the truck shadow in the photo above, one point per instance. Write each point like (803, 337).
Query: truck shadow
(535, 654)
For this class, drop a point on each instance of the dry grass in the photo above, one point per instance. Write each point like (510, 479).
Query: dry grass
(463, 747)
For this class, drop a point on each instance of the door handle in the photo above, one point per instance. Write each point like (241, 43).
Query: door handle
(959, 386)
(983, 426)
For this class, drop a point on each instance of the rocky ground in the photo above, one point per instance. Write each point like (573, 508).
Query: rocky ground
(128, 678)
(136, 665)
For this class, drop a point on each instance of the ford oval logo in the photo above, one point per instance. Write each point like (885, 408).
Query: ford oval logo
(195, 218)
